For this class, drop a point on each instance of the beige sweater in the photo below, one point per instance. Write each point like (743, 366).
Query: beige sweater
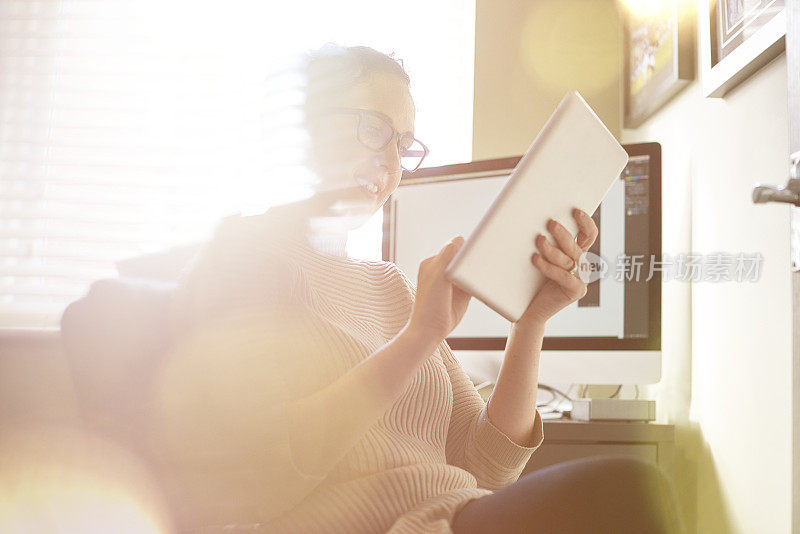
(267, 317)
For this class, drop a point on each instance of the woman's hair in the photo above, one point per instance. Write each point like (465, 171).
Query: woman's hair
(330, 73)
(333, 69)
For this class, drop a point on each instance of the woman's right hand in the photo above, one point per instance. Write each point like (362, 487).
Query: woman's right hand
(439, 304)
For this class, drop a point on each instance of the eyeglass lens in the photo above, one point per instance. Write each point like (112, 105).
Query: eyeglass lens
(376, 133)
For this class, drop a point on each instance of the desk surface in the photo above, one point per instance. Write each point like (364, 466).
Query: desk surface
(566, 440)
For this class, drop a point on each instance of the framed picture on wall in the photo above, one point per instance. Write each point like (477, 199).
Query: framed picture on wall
(659, 56)
(738, 38)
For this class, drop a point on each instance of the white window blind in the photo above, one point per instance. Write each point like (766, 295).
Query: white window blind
(128, 127)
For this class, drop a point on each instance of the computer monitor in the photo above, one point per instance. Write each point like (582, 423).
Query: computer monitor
(610, 336)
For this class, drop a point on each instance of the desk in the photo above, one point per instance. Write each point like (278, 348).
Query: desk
(568, 440)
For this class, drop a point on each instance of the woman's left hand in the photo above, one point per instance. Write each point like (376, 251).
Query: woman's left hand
(555, 261)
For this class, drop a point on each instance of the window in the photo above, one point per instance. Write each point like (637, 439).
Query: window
(128, 127)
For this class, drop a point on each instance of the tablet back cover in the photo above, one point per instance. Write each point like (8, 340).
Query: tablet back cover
(572, 162)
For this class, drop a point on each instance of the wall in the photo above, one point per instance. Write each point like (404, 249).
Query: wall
(35, 383)
(734, 421)
(528, 55)
(726, 346)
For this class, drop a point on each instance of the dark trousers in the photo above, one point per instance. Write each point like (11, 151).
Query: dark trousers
(597, 495)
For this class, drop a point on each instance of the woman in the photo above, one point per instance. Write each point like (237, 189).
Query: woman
(310, 392)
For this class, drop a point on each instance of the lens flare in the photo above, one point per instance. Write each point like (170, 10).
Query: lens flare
(60, 480)
(552, 53)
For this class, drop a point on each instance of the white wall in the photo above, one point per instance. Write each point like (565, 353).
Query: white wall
(727, 346)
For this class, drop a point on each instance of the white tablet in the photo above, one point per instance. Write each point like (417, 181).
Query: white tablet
(573, 162)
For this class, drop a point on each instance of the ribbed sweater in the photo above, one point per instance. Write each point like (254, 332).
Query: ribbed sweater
(265, 317)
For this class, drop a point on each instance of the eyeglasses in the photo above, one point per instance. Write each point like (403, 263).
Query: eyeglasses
(375, 132)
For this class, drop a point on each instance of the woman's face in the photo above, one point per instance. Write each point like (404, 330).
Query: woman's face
(358, 179)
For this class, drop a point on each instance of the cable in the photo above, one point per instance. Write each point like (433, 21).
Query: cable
(552, 398)
(613, 395)
(555, 404)
(554, 390)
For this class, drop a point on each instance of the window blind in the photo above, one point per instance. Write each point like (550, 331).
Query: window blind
(128, 127)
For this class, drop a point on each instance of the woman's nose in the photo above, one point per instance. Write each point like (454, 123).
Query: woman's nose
(389, 157)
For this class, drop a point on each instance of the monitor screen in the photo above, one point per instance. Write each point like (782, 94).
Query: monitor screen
(622, 307)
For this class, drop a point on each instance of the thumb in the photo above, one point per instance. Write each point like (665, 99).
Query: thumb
(449, 251)
(459, 295)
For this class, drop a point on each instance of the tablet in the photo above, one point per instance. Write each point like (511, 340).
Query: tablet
(573, 162)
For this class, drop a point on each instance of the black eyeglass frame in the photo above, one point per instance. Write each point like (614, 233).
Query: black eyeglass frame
(395, 134)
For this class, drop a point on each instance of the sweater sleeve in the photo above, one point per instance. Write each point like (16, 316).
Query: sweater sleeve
(473, 442)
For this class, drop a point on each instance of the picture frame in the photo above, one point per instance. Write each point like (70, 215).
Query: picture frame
(738, 38)
(659, 55)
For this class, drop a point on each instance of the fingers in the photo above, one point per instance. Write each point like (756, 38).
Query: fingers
(450, 250)
(571, 285)
(587, 229)
(587, 234)
(434, 266)
(460, 297)
(553, 254)
(564, 239)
